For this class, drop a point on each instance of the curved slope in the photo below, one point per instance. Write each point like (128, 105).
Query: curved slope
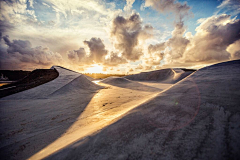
(32, 119)
(89, 78)
(125, 83)
(116, 80)
(79, 84)
(163, 75)
(198, 118)
(42, 91)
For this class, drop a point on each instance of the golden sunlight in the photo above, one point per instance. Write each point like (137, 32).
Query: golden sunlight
(95, 69)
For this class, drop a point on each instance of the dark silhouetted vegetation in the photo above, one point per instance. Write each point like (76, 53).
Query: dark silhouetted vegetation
(33, 79)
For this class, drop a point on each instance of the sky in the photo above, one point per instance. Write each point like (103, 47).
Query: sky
(118, 36)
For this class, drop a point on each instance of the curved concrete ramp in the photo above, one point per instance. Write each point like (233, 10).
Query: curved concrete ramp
(163, 75)
(198, 118)
(125, 83)
(43, 91)
(32, 119)
(81, 84)
(116, 80)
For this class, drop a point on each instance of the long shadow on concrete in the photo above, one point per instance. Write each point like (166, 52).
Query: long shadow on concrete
(188, 121)
(125, 83)
(29, 124)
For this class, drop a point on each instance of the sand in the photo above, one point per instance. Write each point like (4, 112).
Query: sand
(194, 118)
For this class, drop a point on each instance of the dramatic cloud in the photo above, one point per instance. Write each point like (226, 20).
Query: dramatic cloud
(14, 11)
(156, 48)
(213, 37)
(77, 55)
(163, 6)
(97, 54)
(234, 50)
(114, 60)
(66, 27)
(175, 47)
(5, 26)
(20, 53)
(177, 43)
(156, 53)
(127, 32)
(97, 49)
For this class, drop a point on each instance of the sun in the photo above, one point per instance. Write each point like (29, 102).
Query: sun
(95, 69)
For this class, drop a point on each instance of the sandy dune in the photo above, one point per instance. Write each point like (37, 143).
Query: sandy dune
(73, 118)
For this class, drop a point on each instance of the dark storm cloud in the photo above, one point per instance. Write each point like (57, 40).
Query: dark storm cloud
(20, 53)
(127, 32)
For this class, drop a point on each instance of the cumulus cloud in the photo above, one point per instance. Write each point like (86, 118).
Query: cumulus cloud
(209, 44)
(156, 48)
(213, 37)
(163, 6)
(176, 46)
(234, 50)
(178, 42)
(20, 53)
(97, 54)
(97, 49)
(216, 39)
(127, 32)
(114, 60)
(129, 4)
(77, 55)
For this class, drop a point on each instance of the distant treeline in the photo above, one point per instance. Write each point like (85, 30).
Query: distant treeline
(26, 80)
(13, 75)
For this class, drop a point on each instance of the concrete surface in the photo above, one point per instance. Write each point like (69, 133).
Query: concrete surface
(195, 118)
